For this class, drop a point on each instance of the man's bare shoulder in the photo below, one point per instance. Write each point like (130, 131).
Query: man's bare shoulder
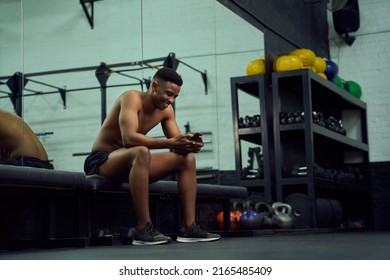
(130, 98)
(132, 94)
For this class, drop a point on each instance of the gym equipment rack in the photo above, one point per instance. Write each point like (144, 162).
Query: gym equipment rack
(320, 172)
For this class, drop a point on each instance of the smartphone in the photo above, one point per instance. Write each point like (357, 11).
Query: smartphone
(196, 136)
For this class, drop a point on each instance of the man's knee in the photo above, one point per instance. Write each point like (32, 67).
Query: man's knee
(142, 155)
(189, 161)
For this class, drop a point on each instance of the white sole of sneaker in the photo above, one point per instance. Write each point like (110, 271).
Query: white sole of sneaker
(140, 242)
(193, 240)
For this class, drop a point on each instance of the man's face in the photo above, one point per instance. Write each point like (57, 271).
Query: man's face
(165, 94)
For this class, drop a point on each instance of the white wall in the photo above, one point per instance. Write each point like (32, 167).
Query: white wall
(367, 62)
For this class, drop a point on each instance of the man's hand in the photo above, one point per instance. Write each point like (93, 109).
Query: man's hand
(187, 143)
(198, 141)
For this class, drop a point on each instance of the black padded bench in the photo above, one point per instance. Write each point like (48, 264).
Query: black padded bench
(212, 193)
(98, 183)
(70, 192)
(19, 184)
(23, 176)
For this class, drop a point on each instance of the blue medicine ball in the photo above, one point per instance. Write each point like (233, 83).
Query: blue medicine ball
(331, 70)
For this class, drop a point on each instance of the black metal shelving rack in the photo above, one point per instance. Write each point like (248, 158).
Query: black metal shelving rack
(255, 86)
(308, 145)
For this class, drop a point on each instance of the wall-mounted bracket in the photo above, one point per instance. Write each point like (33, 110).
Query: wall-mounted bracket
(16, 84)
(102, 74)
(172, 62)
(89, 12)
(62, 92)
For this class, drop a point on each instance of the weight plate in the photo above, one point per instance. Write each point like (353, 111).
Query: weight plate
(300, 209)
(324, 213)
(337, 212)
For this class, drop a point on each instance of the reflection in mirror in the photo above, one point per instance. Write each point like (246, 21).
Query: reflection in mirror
(72, 71)
(11, 58)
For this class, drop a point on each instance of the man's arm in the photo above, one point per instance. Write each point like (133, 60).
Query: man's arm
(171, 130)
(129, 125)
(131, 137)
(169, 125)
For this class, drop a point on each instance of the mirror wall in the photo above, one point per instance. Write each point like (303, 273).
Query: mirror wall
(11, 62)
(59, 52)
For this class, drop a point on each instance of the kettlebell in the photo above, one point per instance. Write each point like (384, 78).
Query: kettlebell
(250, 219)
(282, 216)
(264, 209)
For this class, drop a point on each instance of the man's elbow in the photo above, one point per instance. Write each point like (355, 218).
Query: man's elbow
(128, 142)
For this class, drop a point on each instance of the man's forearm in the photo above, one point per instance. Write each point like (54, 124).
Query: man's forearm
(146, 141)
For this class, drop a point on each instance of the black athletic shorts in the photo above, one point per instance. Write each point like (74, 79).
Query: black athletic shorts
(93, 161)
(28, 161)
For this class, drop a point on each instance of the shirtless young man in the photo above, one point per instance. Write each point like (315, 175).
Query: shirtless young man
(18, 143)
(121, 152)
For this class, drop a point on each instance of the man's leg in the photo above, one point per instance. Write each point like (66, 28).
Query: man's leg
(144, 168)
(164, 164)
(135, 162)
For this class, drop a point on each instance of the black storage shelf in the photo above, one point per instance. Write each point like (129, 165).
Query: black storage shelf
(330, 134)
(308, 145)
(324, 90)
(253, 86)
(326, 184)
(249, 130)
(341, 186)
(250, 135)
(252, 183)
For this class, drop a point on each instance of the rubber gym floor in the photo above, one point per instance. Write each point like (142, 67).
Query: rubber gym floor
(291, 246)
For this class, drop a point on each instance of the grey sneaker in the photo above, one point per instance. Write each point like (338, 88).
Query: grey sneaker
(149, 235)
(195, 234)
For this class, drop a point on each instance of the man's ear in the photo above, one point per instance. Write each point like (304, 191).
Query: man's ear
(154, 85)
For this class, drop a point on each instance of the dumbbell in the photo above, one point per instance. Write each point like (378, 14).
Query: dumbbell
(249, 121)
(282, 118)
(127, 235)
(298, 171)
(318, 118)
(342, 129)
(241, 122)
(335, 125)
(298, 116)
(250, 173)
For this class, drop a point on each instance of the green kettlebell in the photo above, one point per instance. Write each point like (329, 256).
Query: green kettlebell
(282, 216)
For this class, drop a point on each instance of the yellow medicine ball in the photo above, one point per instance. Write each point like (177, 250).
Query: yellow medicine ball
(319, 64)
(323, 75)
(307, 56)
(255, 67)
(287, 63)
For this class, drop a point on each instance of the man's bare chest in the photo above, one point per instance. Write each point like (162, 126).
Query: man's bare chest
(146, 122)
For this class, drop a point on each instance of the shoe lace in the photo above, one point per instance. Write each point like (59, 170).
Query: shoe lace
(196, 229)
(153, 231)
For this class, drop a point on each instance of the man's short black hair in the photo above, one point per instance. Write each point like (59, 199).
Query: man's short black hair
(168, 75)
